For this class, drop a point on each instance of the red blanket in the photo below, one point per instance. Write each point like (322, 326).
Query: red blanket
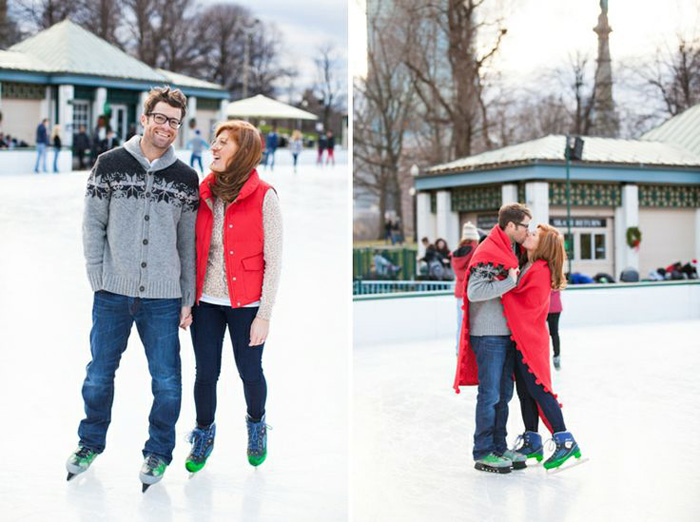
(525, 308)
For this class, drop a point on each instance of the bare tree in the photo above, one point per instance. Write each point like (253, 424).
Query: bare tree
(9, 32)
(102, 18)
(449, 73)
(383, 106)
(328, 85)
(674, 76)
(42, 14)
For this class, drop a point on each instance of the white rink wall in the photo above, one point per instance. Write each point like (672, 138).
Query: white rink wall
(412, 317)
(23, 160)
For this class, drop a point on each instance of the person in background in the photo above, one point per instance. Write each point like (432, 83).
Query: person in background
(555, 309)
(56, 141)
(321, 147)
(443, 252)
(271, 144)
(460, 261)
(197, 144)
(81, 142)
(296, 146)
(110, 142)
(42, 141)
(330, 148)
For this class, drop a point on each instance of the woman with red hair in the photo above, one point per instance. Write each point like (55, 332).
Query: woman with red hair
(542, 273)
(239, 253)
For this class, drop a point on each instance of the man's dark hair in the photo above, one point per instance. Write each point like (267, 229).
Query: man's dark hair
(512, 212)
(172, 97)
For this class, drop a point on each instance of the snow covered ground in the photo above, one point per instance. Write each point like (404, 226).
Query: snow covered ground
(45, 304)
(631, 395)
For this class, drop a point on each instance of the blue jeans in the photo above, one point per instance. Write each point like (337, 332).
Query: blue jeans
(270, 158)
(495, 359)
(196, 158)
(208, 330)
(40, 153)
(157, 322)
(55, 159)
(460, 316)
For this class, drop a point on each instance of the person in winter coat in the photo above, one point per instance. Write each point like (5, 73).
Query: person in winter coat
(296, 145)
(555, 309)
(42, 141)
(239, 255)
(56, 141)
(81, 142)
(542, 273)
(460, 261)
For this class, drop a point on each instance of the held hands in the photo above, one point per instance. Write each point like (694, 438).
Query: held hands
(258, 331)
(185, 317)
(514, 272)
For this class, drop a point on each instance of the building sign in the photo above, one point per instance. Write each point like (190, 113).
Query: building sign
(486, 222)
(579, 222)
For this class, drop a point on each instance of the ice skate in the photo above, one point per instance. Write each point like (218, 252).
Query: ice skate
(152, 471)
(518, 459)
(531, 446)
(257, 441)
(566, 448)
(492, 463)
(202, 440)
(79, 461)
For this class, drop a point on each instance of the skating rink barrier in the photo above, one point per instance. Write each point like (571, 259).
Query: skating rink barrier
(430, 315)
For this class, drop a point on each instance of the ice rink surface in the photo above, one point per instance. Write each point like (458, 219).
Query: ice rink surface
(45, 315)
(631, 397)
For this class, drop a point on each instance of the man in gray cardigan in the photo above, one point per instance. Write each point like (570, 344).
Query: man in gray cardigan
(139, 243)
(495, 351)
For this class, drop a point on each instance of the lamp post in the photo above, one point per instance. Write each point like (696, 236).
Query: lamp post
(414, 171)
(572, 151)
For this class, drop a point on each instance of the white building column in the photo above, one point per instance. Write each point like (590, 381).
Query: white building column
(65, 113)
(447, 221)
(98, 104)
(626, 216)
(697, 234)
(509, 193)
(222, 110)
(425, 220)
(139, 110)
(46, 106)
(537, 200)
(188, 133)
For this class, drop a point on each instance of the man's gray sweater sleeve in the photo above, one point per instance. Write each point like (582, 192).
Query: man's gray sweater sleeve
(95, 218)
(483, 286)
(187, 252)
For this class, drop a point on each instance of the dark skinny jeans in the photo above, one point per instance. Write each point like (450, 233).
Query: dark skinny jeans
(208, 330)
(553, 323)
(532, 395)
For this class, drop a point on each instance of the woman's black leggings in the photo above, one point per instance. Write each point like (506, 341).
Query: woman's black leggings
(553, 322)
(531, 395)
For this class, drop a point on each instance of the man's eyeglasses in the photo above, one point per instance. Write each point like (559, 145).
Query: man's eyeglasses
(162, 119)
(526, 225)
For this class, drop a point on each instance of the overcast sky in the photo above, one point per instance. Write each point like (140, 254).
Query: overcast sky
(543, 33)
(305, 25)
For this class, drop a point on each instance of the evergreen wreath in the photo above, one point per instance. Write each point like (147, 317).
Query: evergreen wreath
(634, 237)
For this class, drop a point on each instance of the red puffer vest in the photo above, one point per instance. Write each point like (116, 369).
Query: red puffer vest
(243, 239)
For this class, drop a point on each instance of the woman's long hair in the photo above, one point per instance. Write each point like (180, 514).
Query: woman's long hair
(228, 184)
(551, 248)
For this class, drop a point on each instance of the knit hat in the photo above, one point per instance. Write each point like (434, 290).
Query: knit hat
(469, 232)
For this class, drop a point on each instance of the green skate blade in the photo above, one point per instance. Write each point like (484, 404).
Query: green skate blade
(491, 469)
(559, 462)
(578, 462)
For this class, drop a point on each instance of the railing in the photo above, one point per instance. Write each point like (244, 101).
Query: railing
(397, 287)
(362, 263)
